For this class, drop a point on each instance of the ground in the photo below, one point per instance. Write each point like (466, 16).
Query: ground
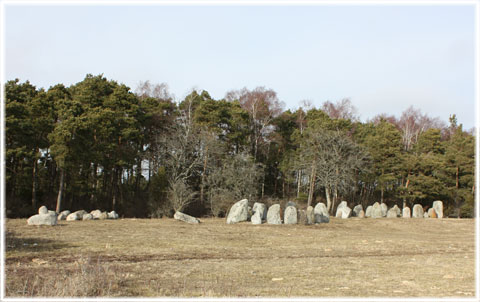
(164, 257)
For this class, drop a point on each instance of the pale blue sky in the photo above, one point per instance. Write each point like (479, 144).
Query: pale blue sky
(385, 58)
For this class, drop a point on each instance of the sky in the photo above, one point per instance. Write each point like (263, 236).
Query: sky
(384, 58)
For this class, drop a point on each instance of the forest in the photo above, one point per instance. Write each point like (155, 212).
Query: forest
(98, 144)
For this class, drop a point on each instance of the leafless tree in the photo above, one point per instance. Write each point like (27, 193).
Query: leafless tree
(263, 106)
(343, 109)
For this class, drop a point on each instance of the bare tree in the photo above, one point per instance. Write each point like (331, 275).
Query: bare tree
(263, 106)
(343, 109)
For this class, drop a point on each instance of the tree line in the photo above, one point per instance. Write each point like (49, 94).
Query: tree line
(99, 145)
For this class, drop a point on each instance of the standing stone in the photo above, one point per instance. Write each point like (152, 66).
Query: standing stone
(438, 206)
(273, 214)
(112, 215)
(321, 209)
(238, 212)
(310, 215)
(392, 213)
(384, 208)
(361, 214)
(357, 209)
(417, 211)
(256, 218)
(377, 211)
(261, 208)
(43, 210)
(42, 219)
(425, 215)
(302, 217)
(343, 212)
(406, 212)
(431, 213)
(290, 216)
(185, 218)
(368, 212)
(63, 215)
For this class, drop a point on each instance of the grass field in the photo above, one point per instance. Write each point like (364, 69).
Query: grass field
(164, 257)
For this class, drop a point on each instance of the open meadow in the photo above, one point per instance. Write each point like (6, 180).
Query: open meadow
(164, 257)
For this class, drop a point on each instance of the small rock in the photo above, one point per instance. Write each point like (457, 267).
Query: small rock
(63, 215)
(302, 217)
(185, 218)
(291, 204)
(406, 212)
(392, 213)
(431, 213)
(96, 214)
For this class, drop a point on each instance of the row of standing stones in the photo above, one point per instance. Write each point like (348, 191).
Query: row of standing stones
(259, 214)
(47, 217)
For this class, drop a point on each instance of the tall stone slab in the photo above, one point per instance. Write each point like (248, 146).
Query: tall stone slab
(238, 212)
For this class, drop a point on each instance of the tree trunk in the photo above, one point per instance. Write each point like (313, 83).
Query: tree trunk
(34, 181)
(299, 182)
(329, 201)
(60, 190)
(312, 185)
(202, 185)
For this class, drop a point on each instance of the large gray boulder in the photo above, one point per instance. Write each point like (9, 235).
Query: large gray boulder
(376, 211)
(261, 208)
(406, 212)
(112, 215)
(384, 209)
(96, 214)
(310, 215)
(77, 215)
(417, 211)
(43, 219)
(368, 211)
(438, 206)
(320, 208)
(87, 216)
(42, 210)
(273, 214)
(63, 215)
(185, 218)
(238, 212)
(290, 216)
(357, 209)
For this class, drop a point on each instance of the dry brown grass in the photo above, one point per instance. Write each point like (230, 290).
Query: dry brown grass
(164, 257)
